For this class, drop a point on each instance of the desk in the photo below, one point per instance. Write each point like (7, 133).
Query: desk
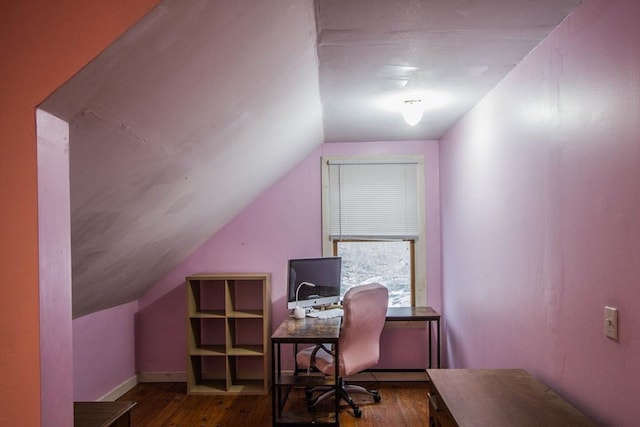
(497, 398)
(315, 331)
(102, 414)
(418, 314)
(301, 331)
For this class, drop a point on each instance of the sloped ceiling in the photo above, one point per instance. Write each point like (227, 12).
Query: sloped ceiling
(175, 128)
(202, 105)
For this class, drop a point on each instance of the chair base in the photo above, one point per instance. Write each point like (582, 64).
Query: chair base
(345, 389)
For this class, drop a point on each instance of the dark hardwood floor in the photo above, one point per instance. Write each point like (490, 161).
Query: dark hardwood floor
(167, 404)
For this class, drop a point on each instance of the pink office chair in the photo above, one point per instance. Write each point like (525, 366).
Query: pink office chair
(365, 310)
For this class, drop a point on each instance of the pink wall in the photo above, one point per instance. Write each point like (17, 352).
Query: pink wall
(284, 222)
(103, 351)
(41, 42)
(541, 216)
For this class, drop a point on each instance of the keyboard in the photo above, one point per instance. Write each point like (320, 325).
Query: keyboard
(326, 314)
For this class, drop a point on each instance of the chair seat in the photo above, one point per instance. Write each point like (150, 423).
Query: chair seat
(323, 362)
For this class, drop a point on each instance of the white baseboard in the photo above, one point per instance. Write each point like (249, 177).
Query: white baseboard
(391, 376)
(162, 377)
(181, 377)
(120, 390)
(384, 376)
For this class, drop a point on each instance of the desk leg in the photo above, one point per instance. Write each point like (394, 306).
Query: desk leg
(438, 337)
(430, 350)
(337, 383)
(274, 380)
(278, 397)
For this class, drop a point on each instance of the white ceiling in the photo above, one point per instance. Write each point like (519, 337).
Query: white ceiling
(202, 105)
(449, 52)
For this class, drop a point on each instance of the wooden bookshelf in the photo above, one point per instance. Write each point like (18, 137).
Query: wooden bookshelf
(228, 324)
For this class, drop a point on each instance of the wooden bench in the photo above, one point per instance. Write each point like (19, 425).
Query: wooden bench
(102, 414)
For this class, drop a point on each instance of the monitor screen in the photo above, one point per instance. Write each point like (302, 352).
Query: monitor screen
(324, 273)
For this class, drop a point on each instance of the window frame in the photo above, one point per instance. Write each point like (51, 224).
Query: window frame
(419, 258)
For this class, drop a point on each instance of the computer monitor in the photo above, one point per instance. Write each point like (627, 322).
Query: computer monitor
(324, 273)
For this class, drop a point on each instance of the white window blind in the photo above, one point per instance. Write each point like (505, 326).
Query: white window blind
(373, 201)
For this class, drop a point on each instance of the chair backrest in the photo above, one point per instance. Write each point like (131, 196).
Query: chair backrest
(365, 310)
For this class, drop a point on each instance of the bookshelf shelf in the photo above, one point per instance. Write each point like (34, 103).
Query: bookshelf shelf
(227, 333)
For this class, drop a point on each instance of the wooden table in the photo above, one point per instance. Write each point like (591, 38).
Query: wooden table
(303, 331)
(102, 414)
(497, 398)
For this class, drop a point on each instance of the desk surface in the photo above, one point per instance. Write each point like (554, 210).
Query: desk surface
(502, 397)
(298, 330)
(411, 314)
(307, 329)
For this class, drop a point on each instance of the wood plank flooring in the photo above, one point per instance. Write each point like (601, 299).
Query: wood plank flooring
(168, 405)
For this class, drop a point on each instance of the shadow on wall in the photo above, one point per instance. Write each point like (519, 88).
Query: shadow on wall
(453, 351)
(160, 334)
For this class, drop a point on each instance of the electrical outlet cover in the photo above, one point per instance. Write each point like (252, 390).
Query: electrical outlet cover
(611, 322)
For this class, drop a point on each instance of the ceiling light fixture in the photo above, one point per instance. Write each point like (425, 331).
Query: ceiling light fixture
(412, 111)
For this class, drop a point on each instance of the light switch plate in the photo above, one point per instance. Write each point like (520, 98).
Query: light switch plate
(611, 322)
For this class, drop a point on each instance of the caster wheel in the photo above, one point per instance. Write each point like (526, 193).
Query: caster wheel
(308, 394)
(357, 412)
(376, 397)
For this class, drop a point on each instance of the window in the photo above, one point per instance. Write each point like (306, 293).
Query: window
(386, 262)
(373, 218)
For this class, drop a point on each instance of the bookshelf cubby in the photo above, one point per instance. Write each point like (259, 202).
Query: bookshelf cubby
(228, 333)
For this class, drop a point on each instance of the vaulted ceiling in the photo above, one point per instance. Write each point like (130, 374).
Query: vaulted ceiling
(202, 105)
